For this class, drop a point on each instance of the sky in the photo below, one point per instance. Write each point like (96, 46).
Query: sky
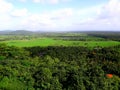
(60, 15)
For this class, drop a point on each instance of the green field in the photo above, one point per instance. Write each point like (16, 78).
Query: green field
(52, 42)
(92, 39)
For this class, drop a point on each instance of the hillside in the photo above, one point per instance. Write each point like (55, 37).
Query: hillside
(5, 32)
(21, 32)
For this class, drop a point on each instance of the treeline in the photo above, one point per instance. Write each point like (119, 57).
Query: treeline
(79, 38)
(18, 37)
(59, 68)
(106, 35)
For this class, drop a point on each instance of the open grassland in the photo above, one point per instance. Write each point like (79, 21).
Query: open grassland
(52, 42)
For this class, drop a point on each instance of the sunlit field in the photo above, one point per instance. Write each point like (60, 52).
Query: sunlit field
(52, 42)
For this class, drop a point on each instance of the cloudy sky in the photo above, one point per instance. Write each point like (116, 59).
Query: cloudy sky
(59, 15)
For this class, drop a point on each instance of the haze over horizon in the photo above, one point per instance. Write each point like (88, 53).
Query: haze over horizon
(60, 15)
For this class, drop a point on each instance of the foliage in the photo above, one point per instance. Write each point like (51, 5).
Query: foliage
(59, 68)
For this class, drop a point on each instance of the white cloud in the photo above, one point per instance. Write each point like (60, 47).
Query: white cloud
(5, 22)
(112, 9)
(9, 15)
(5, 7)
(50, 1)
(5, 19)
(38, 1)
(54, 1)
(19, 12)
(37, 21)
(49, 20)
(87, 11)
(111, 12)
(105, 17)
(23, 19)
(23, 0)
(62, 13)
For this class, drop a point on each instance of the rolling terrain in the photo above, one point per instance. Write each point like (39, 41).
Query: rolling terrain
(24, 38)
(59, 61)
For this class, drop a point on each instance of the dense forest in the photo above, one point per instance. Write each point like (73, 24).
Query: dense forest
(106, 35)
(59, 68)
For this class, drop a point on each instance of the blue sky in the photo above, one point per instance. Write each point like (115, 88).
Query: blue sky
(59, 15)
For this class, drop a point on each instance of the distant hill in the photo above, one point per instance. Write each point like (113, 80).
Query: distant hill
(21, 32)
(5, 32)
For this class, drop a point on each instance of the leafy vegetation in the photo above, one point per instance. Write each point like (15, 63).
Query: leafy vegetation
(59, 68)
(59, 64)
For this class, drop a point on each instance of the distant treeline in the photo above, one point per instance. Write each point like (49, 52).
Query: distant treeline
(74, 36)
(106, 35)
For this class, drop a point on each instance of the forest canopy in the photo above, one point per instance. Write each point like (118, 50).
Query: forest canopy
(59, 68)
